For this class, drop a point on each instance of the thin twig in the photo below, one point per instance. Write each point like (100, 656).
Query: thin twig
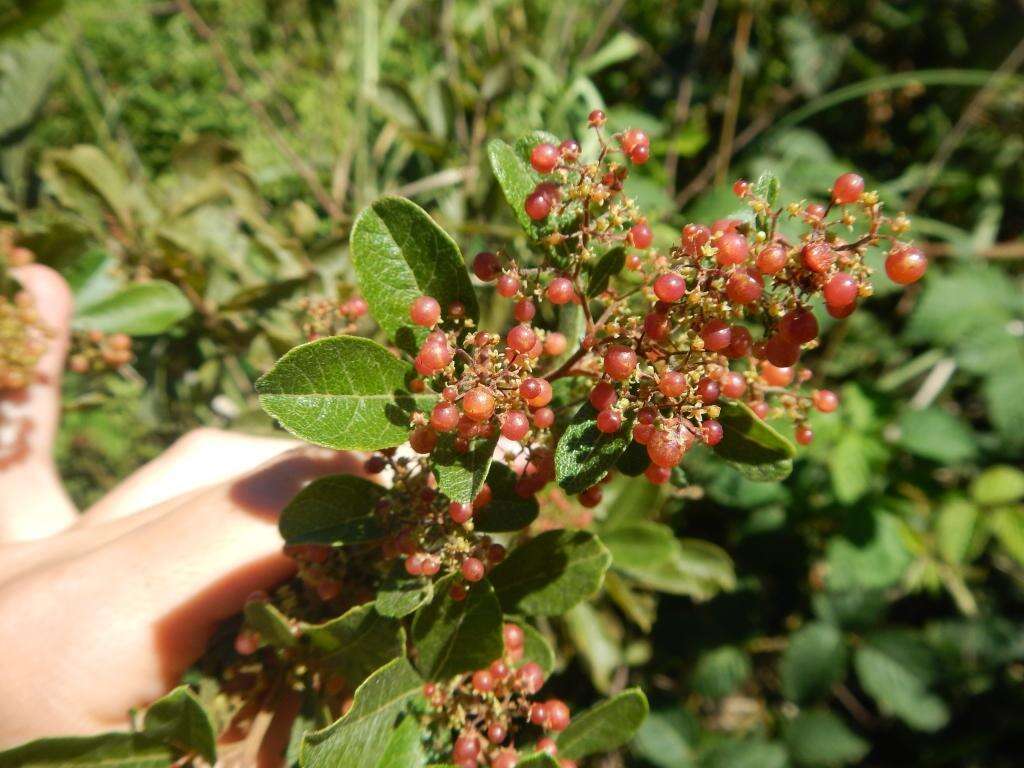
(732, 109)
(970, 115)
(1009, 250)
(684, 96)
(259, 111)
(611, 12)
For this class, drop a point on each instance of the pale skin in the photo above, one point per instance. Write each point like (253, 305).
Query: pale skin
(101, 611)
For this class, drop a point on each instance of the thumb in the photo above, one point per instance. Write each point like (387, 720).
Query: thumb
(33, 503)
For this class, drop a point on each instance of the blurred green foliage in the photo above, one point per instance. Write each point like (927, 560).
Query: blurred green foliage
(868, 610)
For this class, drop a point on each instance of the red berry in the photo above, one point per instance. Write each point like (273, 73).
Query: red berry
(508, 286)
(841, 290)
(596, 118)
(657, 475)
(781, 352)
(530, 388)
(543, 418)
(499, 669)
(825, 400)
(665, 448)
(847, 189)
(483, 498)
(555, 343)
(641, 154)
(495, 554)
(513, 636)
(434, 355)
(537, 205)
(744, 286)
(640, 235)
(460, 512)
(530, 676)
(609, 421)
(841, 312)
(590, 497)
(558, 714)
(524, 311)
(717, 335)
(538, 714)
(631, 139)
(905, 265)
(478, 404)
(603, 395)
(741, 187)
(444, 417)
(486, 266)
(817, 256)
(772, 258)
(544, 158)
(521, 338)
(542, 388)
(247, 643)
(547, 745)
(505, 760)
(708, 391)
(712, 432)
(425, 311)
(740, 342)
(760, 409)
(695, 236)
(669, 287)
(414, 565)
(733, 248)
(560, 291)
(656, 326)
(423, 439)
(458, 592)
(515, 425)
(798, 326)
(467, 747)
(472, 569)
(803, 434)
(634, 262)
(776, 376)
(496, 733)
(815, 210)
(619, 362)
(429, 565)
(570, 148)
(483, 681)
(733, 384)
(672, 383)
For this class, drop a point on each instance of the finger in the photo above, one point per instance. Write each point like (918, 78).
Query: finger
(139, 610)
(33, 503)
(203, 457)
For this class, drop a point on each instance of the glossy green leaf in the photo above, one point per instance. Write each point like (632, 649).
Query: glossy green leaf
(453, 636)
(605, 726)
(401, 594)
(400, 253)
(342, 392)
(584, 453)
(550, 573)
(179, 720)
(405, 749)
(108, 750)
(362, 736)
(507, 510)
(813, 662)
(604, 269)
(356, 643)
(752, 446)
(339, 509)
(819, 739)
(698, 569)
(141, 309)
(515, 177)
(460, 476)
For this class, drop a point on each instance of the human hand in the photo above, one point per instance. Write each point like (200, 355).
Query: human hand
(103, 611)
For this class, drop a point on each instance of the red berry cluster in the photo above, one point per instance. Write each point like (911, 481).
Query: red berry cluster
(326, 317)
(23, 341)
(487, 709)
(96, 351)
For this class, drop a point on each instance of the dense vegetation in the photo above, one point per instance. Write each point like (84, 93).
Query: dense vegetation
(196, 169)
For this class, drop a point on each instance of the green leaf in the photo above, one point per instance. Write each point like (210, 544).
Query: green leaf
(507, 510)
(538, 760)
(813, 662)
(85, 172)
(516, 179)
(339, 509)
(817, 738)
(935, 434)
(405, 749)
(720, 672)
(896, 668)
(142, 309)
(698, 569)
(342, 392)
(869, 554)
(636, 547)
(752, 446)
(605, 726)
(1007, 524)
(595, 637)
(536, 648)
(745, 753)
(584, 453)
(453, 636)
(362, 736)
(634, 460)
(400, 253)
(998, 485)
(767, 188)
(401, 594)
(955, 528)
(604, 269)
(460, 476)
(666, 738)
(356, 643)
(549, 574)
(21, 16)
(108, 750)
(273, 626)
(178, 719)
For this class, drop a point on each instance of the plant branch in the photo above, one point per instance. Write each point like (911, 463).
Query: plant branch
(739, 52)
